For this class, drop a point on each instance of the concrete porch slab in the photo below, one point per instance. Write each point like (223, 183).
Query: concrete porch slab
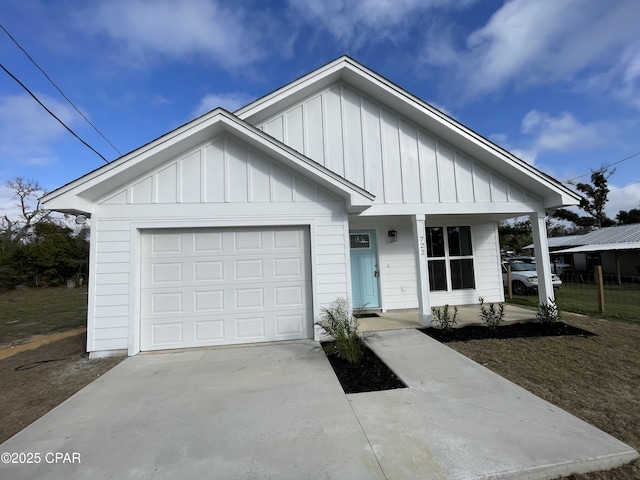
(467, 315)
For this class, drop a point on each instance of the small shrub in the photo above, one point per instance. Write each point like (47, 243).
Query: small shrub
(443, 319)
(339, 323)
(548, 312)
(491, 316)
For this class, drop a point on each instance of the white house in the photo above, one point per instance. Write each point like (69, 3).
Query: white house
(238, 228)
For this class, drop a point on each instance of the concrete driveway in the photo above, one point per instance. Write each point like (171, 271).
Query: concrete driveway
(278, 411)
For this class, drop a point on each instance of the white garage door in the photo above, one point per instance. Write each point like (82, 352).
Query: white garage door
(220, 286)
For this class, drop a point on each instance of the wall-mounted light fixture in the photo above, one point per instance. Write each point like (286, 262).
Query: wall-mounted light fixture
(393, 236)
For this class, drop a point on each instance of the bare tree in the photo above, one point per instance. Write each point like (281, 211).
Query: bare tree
(27, 193)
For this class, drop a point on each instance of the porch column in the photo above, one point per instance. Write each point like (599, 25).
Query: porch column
(420, 252)
(543, 262)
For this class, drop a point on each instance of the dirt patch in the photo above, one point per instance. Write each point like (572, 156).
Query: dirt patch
(36, 380)
(37, 341)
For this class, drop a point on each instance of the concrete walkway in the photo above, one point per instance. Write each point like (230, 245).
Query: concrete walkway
(277, 411)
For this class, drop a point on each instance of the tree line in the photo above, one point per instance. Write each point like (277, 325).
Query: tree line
(516, 235)
(38, 248)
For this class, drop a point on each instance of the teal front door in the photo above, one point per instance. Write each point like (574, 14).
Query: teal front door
(364, 269)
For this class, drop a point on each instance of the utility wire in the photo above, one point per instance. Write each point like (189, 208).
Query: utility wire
(59, 90)
(52, 114)
(604, 167)
(624, 186)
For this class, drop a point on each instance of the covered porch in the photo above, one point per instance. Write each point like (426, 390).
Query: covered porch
(467, 315)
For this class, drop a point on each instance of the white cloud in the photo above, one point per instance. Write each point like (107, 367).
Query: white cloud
(532, 43)
(7, 203)
(28, 132)
(230, 101)
(622, 80)
(622, 198)
(231, 35)
(354, 23)
(564, 132)
(528, 155)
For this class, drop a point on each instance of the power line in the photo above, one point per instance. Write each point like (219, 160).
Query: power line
(52, 114)
(58, 88)
(624, 186)
(604, 167)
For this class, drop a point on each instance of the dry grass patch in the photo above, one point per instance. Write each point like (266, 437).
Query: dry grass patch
(40, 311)
(36, 381)
(596, 379)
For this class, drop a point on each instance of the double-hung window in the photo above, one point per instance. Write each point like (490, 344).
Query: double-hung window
(450, 258)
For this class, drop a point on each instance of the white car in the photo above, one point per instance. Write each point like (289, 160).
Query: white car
(524, 278)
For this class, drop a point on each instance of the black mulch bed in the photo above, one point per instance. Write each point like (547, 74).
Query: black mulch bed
(370, 374)
(513, 330)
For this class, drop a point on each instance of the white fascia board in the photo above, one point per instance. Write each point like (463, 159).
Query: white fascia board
(561, 201)
(295, 91)
(502, 209)
(460, 136)
(133, 163)
(74, 205)
(98, 183)
(471, 143)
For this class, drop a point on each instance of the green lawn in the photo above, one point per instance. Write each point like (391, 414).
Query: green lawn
(621, 302)
(38, 311)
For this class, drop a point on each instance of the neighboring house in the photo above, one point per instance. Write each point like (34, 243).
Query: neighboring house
(616, 249)
(238, 228)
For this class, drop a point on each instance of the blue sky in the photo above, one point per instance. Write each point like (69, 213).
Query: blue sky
(555, 82)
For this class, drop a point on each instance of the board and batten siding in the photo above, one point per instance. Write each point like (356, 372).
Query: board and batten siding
(386, 154)
(396, 261)
(235, 186)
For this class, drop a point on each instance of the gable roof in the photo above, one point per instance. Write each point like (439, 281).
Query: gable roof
(345, 69)
(80, 195)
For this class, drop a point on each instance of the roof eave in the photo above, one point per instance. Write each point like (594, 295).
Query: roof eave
(81, 194)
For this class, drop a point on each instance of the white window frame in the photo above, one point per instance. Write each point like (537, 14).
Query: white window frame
(448, 257)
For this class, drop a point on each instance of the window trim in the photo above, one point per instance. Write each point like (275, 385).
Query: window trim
(447, 258)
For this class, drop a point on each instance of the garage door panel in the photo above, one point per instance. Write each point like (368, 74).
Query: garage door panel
(252, 269)
(209, 331)
(223, 286)
(289, 296)
(163, 273)
(166, 302)
(248, 241)
(163, 244)
(167, 334)
(287, 325)
(207, 242)
(208, 301)
(288, 240)
(208, 271)
(250, 328)
(288, 268)
(249, 298)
